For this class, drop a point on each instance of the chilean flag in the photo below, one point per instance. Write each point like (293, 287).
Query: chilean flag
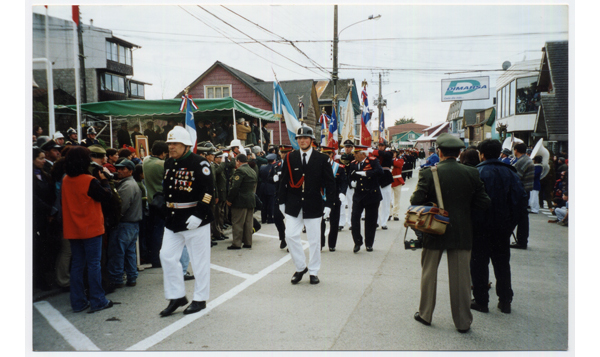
(332, 140)
(365, 134)
(324, 119)
(190, 126)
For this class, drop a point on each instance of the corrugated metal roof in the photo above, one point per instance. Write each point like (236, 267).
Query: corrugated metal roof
(556, 105)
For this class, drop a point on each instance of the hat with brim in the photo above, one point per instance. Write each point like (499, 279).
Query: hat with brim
(126, 163)
(49, 145)
(359, 148)
(506, 152)
(449, 141)
(327, 149)
(286, 148)
(97, 149)
(348, 143)
(271, 157)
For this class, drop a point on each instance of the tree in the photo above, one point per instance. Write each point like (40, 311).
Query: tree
(404, 120)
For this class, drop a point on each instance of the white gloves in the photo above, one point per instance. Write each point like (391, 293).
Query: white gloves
(362, 173)
(342, 197)
(282, 208)
(326, 212)
(353, 184)
(275, 178)
(369, 150)
(193, 222)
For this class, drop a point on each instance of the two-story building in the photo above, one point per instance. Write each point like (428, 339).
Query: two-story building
(430, 135)
(462, 114)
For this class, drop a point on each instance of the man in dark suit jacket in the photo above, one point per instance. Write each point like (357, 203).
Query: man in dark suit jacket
(305, 173)
(364, 174)
(462, 192)
(267, 189)
(341, 184)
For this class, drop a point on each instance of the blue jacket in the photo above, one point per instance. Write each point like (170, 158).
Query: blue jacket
(431, 160)
(508, 196)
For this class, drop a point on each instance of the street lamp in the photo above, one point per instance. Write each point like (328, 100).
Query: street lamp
(371, 17)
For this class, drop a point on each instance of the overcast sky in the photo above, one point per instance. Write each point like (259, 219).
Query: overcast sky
(414, 46)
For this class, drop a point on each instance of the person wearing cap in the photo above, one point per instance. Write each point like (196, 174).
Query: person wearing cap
(341, 184)
(242, 203)
(433, 158)
(218, 167)
(364, 174)
(52, 151)
(123, 136)
(346, 158)
(397, 164)
(121, 243)
(493, 228)
(526, 172)
(208, 151)
(59, 138)
(278, 216)
(462, 192)
(267, 189)
(188, 189)
(386, 159)
(71, 137)
(505, 156)
(91, 138)
(150, 133)
(242, 129)
(305, 174)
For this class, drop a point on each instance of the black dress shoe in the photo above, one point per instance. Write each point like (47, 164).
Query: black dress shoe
(332, 249)
(314, 279)
(396, 219)
(233, 247)
(464, 331)
(504, 307)
(356, 248)
(187, 276)
(298, 275)
(420, 319)
(304, 230)
(389, 218)
(195, 306)
(477, 307)
(212, 243)
(340, 228)
(283, 244)
(518, 246)
(247, 246)
(369, 249)
(173, 305)
(384, 227)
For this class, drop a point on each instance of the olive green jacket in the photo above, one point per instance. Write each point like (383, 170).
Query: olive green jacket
(243, 186)
(218, 172)
(462, 192)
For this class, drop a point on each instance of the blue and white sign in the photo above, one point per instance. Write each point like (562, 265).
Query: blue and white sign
(473, 88)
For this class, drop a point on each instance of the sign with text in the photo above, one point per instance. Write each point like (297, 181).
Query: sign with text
(473, 88)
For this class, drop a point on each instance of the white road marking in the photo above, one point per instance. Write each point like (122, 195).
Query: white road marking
(188, 319)
(79, 341)
(265, 235)
(230, 271)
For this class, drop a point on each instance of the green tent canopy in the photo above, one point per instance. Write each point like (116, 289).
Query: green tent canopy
(165, 109)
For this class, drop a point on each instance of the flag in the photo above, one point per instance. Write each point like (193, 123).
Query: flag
(365, 133)
(324, 119)
(75, 13)
(348, 123)
(190, 126)
(283, 108)
(381, 127)
(332, 140)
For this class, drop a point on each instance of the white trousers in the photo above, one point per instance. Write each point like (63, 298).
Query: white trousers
(197, 242)
(349, 195)
(384, 206)
(534, 201)
(293, 228)
(397, 193)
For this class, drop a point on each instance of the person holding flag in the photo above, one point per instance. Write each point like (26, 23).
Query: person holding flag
(332, 140)
(365, 133)
(190, 125)
(324, 119)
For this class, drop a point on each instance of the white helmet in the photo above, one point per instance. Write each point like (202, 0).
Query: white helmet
(235, 142)
(179, 135)
(58, 135)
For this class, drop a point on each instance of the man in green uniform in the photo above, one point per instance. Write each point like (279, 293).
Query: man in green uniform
(462, 192)
(242, 203)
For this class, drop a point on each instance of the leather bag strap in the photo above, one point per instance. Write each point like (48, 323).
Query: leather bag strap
(438, 190)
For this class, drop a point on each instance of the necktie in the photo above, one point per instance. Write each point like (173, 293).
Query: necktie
(304, 160)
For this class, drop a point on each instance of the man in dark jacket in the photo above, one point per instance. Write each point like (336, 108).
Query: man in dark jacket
(242, 203)
(267, 189)
(386, 159)
(341, 185)
(492, 228)
(462, 192)
(123, 136)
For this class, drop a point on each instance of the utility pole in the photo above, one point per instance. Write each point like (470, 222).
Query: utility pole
(334, 75)
(380, 103)
(81, 61)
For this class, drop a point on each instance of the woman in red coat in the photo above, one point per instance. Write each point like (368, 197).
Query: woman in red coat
(83, 226)
(397, 184)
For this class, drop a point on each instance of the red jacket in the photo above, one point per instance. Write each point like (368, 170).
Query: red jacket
(397, 172)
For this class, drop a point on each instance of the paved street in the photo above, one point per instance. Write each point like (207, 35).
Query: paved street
(365, 301)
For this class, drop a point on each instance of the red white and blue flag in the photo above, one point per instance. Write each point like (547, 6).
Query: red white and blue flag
(187, 103)
(365, 133)
(332, 140)
(324, 119)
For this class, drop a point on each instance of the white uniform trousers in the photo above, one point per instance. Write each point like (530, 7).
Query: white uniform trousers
(396, 207)
(293, 228)
(384, 206)
(197, 242)
(348, 218)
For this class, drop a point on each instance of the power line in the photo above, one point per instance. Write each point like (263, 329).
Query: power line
(267, 47)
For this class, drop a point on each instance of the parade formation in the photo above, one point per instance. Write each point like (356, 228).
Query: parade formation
(126, 223)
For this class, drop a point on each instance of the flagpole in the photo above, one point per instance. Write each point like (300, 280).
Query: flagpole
(76, 69)
(234, 125)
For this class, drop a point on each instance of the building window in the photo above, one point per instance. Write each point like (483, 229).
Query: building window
(118, 53)
(137, 89)
(499, 96)
(217, 91)
(411, 136)
(525, 93)
(112, 83)
(513, 91)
